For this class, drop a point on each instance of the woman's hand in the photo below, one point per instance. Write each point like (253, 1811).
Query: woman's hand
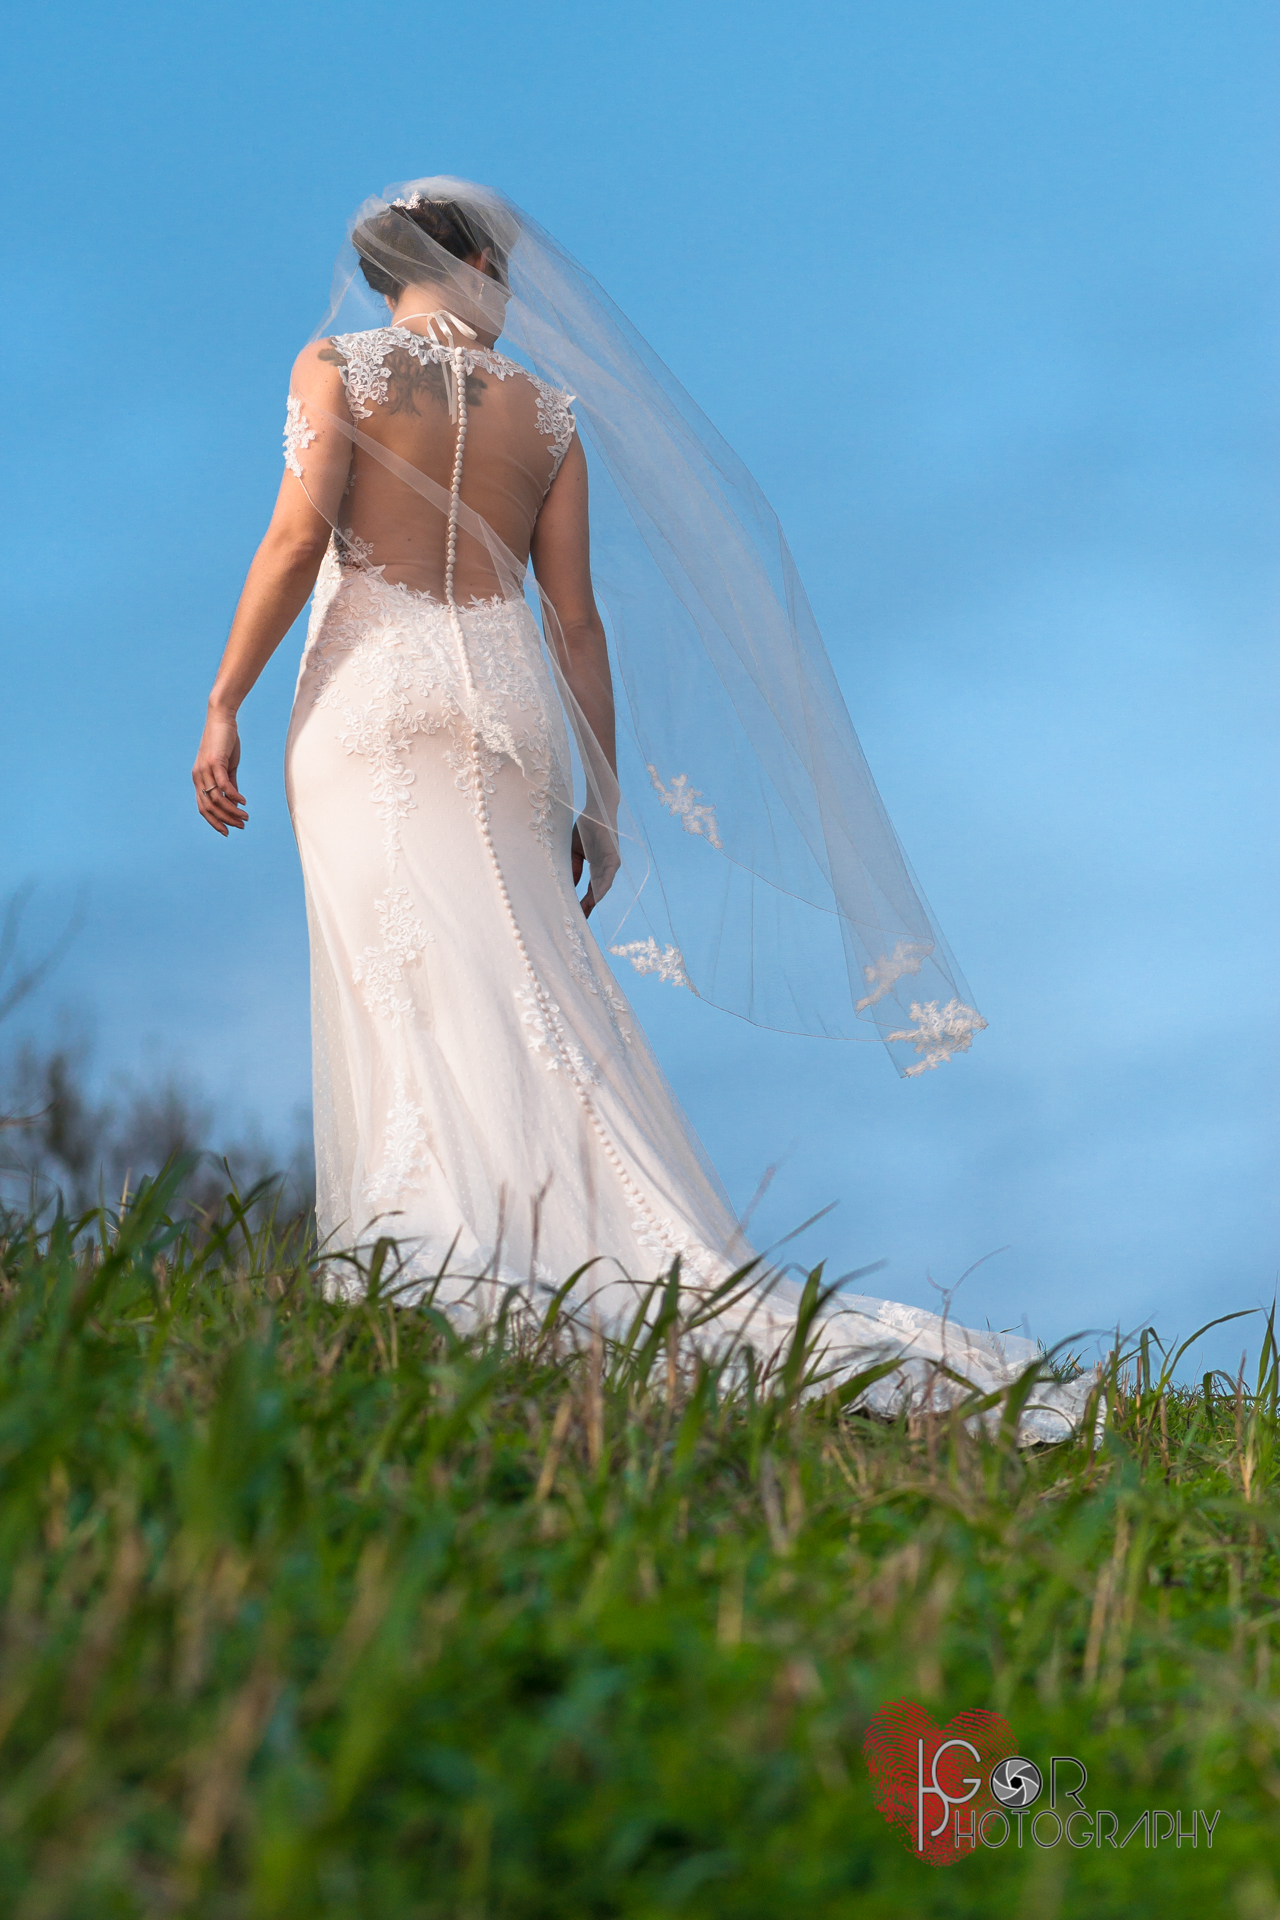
(214, 775)
(600, 851)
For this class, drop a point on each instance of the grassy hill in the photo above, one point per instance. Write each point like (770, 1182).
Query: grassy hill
(315, 1610)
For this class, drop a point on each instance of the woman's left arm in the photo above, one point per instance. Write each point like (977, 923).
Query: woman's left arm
(279, 580)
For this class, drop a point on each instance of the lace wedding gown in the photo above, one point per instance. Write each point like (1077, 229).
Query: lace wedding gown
(483, 1092)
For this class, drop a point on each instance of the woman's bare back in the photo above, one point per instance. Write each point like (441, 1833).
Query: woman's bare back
(380, 410)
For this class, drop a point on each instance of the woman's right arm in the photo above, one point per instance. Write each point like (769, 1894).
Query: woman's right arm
(280, 578)
(561, 555)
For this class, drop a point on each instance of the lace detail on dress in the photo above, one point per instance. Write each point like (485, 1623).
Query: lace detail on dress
(402, 1149)
(550, 780)
(547, 1038)
(680, 799)
(298, 435)
(555, 419)
(903, 1319)
(658, 1235)
(381, 970)
(430, 351)
(883, 975)
(579, 964)
(352, 551)
(585, 974)
(365, 375)
(380, 731)
(474, 772)
(939, 1032)
(646, 956)
(403, 653)
(391, 663)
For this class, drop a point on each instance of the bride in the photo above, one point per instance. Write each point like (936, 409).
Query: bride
(653, 707)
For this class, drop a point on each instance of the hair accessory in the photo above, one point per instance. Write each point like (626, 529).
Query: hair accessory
(417, 200)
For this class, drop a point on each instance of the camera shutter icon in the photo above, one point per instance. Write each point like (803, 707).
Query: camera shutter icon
(1016, 1783)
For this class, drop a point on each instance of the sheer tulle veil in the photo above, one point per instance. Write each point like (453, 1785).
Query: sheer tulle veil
(759, 868)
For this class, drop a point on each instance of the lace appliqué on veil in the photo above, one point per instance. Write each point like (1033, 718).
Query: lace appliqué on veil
(883, 975)
(646, 956)
(680, 800)
(298, 435)
(939, 1032)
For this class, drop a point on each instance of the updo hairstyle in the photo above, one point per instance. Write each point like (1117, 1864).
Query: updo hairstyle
(382, 241)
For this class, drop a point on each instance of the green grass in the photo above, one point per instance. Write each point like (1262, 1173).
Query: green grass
(317, 1610)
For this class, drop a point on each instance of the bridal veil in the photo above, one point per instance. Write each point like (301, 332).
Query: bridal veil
(758, 866)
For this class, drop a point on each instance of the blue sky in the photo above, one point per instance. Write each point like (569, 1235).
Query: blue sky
(1027, 462)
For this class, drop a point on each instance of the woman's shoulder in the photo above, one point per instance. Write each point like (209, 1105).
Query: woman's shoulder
(555, 416)
(323, 359)
(346, 367)
(540, 386)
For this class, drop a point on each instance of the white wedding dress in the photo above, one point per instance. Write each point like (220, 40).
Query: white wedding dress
(483, 1092)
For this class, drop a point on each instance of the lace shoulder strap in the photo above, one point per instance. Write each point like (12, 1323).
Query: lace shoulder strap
(363, 367)
(555, 419)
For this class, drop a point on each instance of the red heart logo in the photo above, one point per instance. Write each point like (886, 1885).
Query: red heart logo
(928, 1778)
